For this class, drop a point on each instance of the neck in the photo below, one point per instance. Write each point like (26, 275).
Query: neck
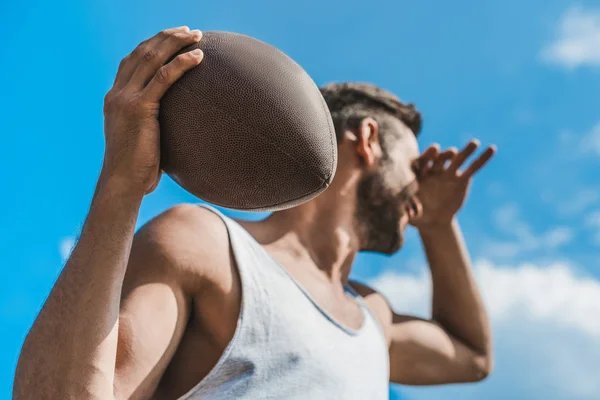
(319, 234)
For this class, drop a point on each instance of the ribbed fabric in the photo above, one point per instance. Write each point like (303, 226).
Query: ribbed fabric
(286, 346)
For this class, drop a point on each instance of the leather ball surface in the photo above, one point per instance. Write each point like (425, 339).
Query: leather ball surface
(247, 128)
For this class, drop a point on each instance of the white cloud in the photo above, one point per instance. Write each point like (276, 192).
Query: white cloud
(507, 217)
(553, 294)
(593, 219)
(546, 323)
(579, 143)
(578, 39)
(591, 141)
(508, 220)
(557, 236)
(65, 247)
(593, 223)
(502, 249)
(581, 200)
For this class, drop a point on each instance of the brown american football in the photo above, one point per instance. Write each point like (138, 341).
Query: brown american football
(247, 128)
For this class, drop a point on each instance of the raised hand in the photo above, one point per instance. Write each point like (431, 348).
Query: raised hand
(443, 187)
(131, 107)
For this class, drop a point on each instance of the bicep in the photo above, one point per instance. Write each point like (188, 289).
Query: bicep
(423, 353)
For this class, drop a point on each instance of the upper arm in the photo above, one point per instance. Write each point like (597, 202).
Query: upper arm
(156, 298)
(421, 351)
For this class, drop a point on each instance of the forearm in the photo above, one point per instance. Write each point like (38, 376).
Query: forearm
(74, 338)
(457, 304)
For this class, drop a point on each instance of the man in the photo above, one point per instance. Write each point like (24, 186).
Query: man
(201, 306)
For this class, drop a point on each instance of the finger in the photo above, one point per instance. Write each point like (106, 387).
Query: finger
(445, 156)
(130, 63)
(408, 210)
(156, 57)
(169, 73)
(417, 209)
(479, 162)
(461, 157)
(423, 163)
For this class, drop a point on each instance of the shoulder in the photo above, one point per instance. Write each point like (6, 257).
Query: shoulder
(181, 220)
(378, 305)
(375, 300)
(186, 243)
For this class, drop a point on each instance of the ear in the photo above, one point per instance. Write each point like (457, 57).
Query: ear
(367, 141)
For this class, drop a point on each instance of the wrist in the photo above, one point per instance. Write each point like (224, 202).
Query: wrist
(429, 227)
(119, 186)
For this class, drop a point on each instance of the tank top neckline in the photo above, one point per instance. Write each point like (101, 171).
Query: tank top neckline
(354, 296)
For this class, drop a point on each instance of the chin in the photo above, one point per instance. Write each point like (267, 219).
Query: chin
(385, 243)
(396, 245)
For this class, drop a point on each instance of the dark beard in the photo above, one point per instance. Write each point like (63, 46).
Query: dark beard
(378, 215)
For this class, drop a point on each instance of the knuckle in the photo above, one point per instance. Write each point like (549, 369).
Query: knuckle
(182, 36)
(121, 102)
(150, 55)
(191, 58)
(141, 49)
(163, 34)
(108, 101)
(162, 75)
(132, 103)
(124, 61)
(183, 59)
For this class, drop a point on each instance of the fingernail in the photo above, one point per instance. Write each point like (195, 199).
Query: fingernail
(197, 52)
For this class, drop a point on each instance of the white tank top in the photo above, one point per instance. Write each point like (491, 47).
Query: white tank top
(287, 347)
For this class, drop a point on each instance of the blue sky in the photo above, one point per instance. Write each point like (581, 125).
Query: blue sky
(522, 75)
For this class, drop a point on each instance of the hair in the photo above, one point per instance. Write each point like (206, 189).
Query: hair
(350, 102)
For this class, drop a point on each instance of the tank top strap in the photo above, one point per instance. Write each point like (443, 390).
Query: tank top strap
(256, 275)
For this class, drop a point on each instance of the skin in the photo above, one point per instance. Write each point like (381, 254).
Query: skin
(148, 315)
